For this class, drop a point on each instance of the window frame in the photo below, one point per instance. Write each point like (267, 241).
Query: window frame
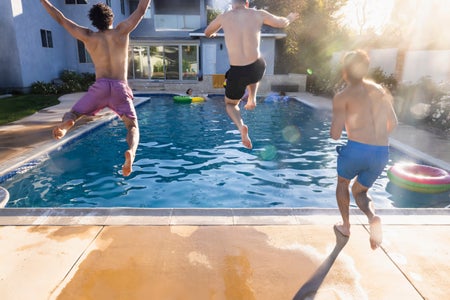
(86, 58)
(75, 2)
(46, 38)
(182, 76)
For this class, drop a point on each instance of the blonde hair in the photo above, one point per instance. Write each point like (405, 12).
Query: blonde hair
(355, 65)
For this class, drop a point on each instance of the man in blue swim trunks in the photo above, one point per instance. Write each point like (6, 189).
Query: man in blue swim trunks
(365, 110)
(108, 48)
(242, 30)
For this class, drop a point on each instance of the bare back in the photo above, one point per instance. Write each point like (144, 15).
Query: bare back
(108, 48)
(242, 28)
(366, 112)
(109, 52)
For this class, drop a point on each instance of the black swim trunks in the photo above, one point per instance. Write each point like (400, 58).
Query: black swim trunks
(238, 77)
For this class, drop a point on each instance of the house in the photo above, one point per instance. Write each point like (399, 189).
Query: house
(168, 49)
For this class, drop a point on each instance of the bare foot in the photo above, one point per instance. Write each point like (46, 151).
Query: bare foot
(127, 166)
(60, 131)
(251, 104)
(342, 230)
(341, 239)
(245, 138)
(376, 234)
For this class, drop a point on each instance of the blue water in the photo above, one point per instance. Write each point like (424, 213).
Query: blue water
(190, 155)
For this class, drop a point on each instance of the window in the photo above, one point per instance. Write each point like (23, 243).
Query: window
(46, 38)
(83, 55)
(108, 2)
(171, 62)
(189, 59)
(163, 62)
(177, 14)
(157, 63)
(139, 63)
(122, 7)
(76, 1)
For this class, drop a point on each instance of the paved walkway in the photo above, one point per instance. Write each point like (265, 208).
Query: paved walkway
(214, 253)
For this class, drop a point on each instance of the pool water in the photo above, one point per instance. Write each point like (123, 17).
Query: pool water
(190, 155)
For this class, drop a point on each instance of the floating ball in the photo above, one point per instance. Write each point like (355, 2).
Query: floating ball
(291, 134)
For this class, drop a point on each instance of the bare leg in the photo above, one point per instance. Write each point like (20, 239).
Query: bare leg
(251, 101)
(232, 107)
(67, 122)
(133, 141)
(343, 201)
(365, 204)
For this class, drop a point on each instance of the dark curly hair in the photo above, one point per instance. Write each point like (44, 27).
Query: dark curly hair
(101, 16)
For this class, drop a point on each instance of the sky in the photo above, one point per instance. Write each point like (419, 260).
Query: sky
(377, 14)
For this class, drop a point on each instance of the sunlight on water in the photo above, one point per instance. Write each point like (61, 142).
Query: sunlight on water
(192, 156)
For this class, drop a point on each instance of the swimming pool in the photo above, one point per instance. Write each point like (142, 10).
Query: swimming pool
(190, 155)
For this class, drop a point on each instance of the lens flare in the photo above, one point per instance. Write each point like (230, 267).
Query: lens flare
(268, 153)
(291, 134)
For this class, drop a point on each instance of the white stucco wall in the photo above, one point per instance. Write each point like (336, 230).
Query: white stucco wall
(384, 59)
(379, 58)
(433, 64)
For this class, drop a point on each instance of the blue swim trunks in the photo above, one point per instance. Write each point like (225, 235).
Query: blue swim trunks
(238, 77)
(112, 93)
(362, 160)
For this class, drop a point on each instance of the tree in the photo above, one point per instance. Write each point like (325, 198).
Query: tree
(312, 39)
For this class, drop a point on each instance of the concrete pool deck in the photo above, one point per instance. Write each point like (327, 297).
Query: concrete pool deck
(122, 253)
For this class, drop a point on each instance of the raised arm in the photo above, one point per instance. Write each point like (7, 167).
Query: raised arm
(213, 27)
(278, 22)
(133, 20)
(73, 28)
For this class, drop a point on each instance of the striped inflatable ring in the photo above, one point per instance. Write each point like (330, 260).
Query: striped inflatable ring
(419, 178)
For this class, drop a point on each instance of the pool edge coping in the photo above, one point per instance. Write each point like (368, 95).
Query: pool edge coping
(212, 216)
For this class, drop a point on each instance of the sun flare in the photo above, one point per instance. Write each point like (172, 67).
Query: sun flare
(360, 15)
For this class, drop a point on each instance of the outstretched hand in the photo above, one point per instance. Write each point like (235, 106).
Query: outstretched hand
(292, 17)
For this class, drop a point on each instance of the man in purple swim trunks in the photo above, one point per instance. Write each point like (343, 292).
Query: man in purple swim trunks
(365, 109)
(108, 48)
(242, 29)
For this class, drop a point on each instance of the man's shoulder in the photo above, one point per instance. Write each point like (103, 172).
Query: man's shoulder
(376, 90)
(373, 85)
(342, 94)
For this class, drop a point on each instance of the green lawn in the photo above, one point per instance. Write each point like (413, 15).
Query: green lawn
(16, 107)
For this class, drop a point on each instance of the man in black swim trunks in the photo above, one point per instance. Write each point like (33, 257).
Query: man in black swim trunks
(242, 30)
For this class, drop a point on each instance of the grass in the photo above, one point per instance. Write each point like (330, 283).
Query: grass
(17, 107)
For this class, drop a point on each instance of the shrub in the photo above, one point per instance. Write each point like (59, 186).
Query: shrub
(328, 81)
(69, 82)
(86, 80)
(42, 88)
(388, 81)
(324, 82)
(424, 103)
(439, 117)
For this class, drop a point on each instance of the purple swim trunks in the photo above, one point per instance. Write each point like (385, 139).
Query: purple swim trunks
(112, 93)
